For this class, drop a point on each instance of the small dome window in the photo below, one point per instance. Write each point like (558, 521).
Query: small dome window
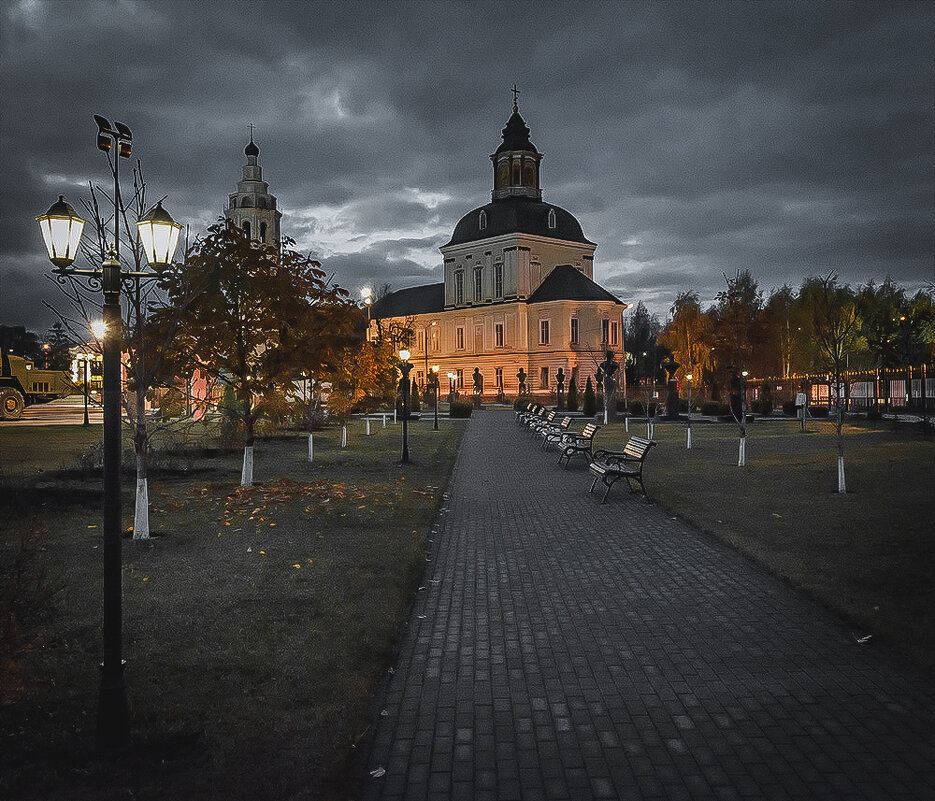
(482, 220)
(551, 222)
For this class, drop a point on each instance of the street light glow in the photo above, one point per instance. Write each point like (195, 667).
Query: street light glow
(404, 355)
(159, 235)
(98, 328)
(61, 229)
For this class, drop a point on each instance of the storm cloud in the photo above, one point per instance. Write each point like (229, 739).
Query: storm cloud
(690, 139)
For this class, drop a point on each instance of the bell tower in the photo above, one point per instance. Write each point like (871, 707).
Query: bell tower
(252, 207)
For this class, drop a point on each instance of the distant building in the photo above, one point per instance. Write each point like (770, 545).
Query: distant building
(518, 290)
(252, 207)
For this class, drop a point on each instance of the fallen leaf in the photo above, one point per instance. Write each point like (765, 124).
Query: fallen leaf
(297, 566)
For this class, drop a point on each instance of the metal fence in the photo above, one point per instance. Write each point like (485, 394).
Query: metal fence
(903, 389)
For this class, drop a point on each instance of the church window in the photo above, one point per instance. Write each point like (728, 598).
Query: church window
(459, 287)
(262, 232)
(498, 335)
(574, 330)
(482, 220)
(529, 175)
(498, 280)
(260, 203)
(246, 229)
(543, 332)
(516, 173)
(605, 331)
(613, 333)
(551, 218)
(543, 378)
(498, 378)
(459, 338)
(478, 285)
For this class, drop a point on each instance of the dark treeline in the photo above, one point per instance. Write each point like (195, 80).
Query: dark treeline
(788, 331)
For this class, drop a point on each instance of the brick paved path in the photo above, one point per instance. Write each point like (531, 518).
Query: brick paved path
(566, 650)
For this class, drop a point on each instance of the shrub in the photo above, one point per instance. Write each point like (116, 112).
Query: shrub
(572, 400)
(874, 412)
(762, 406)
(590, 402)
(460, 409)
(637, 409)
(818, 411)
(714, 409)
(415, 403)
(789, 408)
(521, 403)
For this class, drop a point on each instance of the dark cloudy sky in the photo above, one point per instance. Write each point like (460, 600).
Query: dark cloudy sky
(690, 140)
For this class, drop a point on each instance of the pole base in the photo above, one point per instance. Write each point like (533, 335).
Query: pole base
(113, 713)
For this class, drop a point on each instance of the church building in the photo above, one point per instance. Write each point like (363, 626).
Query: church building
(518, 292)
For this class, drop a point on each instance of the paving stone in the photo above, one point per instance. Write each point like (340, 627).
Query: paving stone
(627, 655)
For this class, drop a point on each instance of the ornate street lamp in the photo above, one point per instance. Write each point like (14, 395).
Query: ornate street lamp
(159, 235)
(451, 385)
(435, 384)
(61, 230)
(405, 368)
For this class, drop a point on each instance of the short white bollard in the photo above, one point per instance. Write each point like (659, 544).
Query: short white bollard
(311, 447)
(368, 426)
(688, 439)
(343, 436)
(626, 423)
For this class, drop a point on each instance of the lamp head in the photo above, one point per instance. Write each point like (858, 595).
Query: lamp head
(159, 235)
(404, 355)
(61, 229)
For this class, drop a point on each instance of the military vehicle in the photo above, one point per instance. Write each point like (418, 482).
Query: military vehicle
(22, 385)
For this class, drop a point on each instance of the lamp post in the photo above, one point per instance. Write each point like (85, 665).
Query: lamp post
(46, 347)
(435, 385)
(61, 231)
(84, 366)
(688, 433)
(451, 386)
(404, 368)
(367, 295)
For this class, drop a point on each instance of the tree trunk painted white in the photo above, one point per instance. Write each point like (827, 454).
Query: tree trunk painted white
(368, 426)
(394, 414)
(626, 423)
(343, 436)
(141, 512)
(742, 456)
(384, 419)
(649, 429)
(311, 447)
(246, 477)
(141, 515)
(688, 438)
(842, 487)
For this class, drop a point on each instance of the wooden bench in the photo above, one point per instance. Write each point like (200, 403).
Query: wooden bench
(609, 467)
(521, 413)
(554, 432)
(533, 419)
(574, 443)
(537, 426)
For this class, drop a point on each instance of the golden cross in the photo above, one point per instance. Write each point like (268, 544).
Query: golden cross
(515, 92)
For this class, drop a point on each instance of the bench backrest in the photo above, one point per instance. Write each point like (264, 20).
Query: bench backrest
(566, 421)
(551, 417)
(590, 430)
(638, 447)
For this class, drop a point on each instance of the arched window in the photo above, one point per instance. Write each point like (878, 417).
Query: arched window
(262, 232)
(551, 218)
(482, 220)
(260, 203)
(516, 173)
(246, 229)
(459, 287)
(478, 284)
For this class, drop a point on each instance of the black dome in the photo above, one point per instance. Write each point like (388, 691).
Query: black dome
(517, 215)
(251, 149)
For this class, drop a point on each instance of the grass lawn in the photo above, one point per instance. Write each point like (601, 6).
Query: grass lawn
(869, 553)
(256, 621)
